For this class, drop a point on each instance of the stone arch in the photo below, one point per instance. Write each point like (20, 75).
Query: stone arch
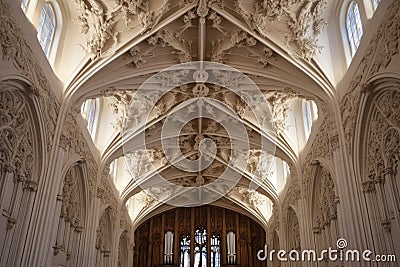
(104, 238)
(123, 248)
(293, 230)
(324, 209)
(73, 205)
(22, 157)
(276, 245)
(376, 154)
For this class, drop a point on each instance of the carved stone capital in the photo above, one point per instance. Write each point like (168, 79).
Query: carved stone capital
(30, 185)
(337, 200)
(379, 179)
(371, 176)
(387, 171)
(316, 230)
(9, 168)
(10, 223)
(64, 142)
(19, 178)
(365, 87)
(57, 249)
(368, 186)
(334, 141)
(202, 9)
(386, 225)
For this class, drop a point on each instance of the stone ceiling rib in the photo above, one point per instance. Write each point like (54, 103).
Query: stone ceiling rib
(97, 65)
(201, 30)
(309, 69)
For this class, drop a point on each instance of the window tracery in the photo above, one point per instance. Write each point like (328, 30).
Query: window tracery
(46, 28)
(354, 26)
(24, 5)
(375, 4)
(89, 110)
(184, 251)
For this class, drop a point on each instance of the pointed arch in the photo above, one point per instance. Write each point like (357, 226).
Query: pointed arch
(324, 209)
(72, 223)
(46, 27)
(293, 230)
(354, 26)
(123, 249)
(104, 239)
(22, 159)
(376, 156)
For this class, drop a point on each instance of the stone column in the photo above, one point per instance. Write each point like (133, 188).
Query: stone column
(30, 188)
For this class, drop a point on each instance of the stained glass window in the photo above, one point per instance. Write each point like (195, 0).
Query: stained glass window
(215, 252)
(200, 248)
(354, 26)
(88, 111)
(46, 27)
(184, 251)
(92, 112)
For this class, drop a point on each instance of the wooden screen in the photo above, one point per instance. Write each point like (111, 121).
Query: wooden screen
(199, 238)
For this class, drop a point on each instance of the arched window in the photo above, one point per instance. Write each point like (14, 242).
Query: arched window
(47, 24)
(24, 5)
(308, 118)
(92, 112)
(113, 170)
(375, 4)
(200, 248)
(215, 251)
(184, 251)
(88, 111)
(354, 26)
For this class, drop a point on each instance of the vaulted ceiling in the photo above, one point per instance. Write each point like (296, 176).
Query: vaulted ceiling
(274, 43)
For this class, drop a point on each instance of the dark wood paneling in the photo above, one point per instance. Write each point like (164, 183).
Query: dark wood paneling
(149, 237)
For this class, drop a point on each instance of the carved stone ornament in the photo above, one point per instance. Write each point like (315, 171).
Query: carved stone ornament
(103, 237)
(96, 24)
(303, 18)
(383, 47)
(273, 223)
(119, 103)
(15, 50)
(279, 107)
(105, 192)
(324, 202)
(324, 144)
(98, 20)
(75, 142)
(165, 37)
(16, 147)
(71, 197)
